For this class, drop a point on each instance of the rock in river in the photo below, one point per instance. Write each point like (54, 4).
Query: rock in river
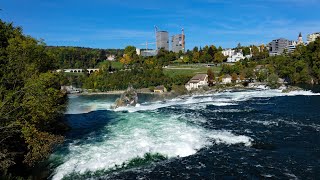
(128, 98)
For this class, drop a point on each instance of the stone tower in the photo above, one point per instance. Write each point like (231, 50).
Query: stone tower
(300, 40)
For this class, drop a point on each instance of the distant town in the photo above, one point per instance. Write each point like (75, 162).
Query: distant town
(198, 61)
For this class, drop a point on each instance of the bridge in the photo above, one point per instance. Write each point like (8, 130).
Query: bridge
(90, 71)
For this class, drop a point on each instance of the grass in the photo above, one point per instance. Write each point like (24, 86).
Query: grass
(114, 64)
(189, 70)
(172, 71)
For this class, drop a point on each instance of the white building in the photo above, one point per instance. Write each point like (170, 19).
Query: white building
(138, 51)
(313, 37)
(227, 79)
(292, 46)
(228, 52)
(111, 57)
(235, 58)
(197, 82)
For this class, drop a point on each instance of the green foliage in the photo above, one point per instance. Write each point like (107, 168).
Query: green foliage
(78, 57)
(138, 77)
(179, 89)
(301, 66)
(31, 103)
(246, 51)
(219, 57)
(273, 81)
(211, 77)
(130, 50)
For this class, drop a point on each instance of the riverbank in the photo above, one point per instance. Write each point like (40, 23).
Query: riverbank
(206, 90)
(139, 91)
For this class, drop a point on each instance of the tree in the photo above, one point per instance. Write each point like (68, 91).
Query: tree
(219, 57)
(195, 49)
(273, 81)
(130, 50)
(242, 76)
(211, 51)
(255, 51)
(126, 59)
(234, 77)
(102, 55)
(196, 57)
(238, 46)
(211, 77)
(246, 51)
(186, 59)
(32, 103)
(205, 58)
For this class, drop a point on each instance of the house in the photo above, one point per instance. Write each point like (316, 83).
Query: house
(235, 58)
(71, 89)
(111, 57)
(197, 82)
(227, 79)
(228, 52)
(160, 89)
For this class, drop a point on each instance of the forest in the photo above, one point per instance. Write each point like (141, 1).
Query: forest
(80, 57)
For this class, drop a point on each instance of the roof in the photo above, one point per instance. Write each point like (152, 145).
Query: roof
(199, 77)
(159, 88)
(227, 76)
(259, 66)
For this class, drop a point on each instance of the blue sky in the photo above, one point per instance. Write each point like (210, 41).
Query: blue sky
(118, 23)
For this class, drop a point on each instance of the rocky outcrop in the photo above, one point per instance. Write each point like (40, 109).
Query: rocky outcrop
(291, 88)
(128, 98)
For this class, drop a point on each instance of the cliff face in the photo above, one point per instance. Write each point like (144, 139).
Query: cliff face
(128, 98)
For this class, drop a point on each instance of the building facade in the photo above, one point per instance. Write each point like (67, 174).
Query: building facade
(178, 43)
(162, 38)
(278, 46)
(227, 79)
(228, 52)
(198, 81)
(235, 58)
(313, 37)
(148, 53)
(292, 46)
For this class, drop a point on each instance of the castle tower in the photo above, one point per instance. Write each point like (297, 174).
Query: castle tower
(300, 40)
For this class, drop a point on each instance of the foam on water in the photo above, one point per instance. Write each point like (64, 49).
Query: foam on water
(146, 130)
(135, 134)
(226, 98)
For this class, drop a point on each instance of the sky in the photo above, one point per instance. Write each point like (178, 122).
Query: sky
(119, 23)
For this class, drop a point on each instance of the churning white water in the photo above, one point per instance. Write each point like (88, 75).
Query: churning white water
(146, 130)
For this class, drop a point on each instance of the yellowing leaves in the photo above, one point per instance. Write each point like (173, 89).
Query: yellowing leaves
(126, 59)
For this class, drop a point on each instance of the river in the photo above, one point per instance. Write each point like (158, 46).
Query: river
(252, 134)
